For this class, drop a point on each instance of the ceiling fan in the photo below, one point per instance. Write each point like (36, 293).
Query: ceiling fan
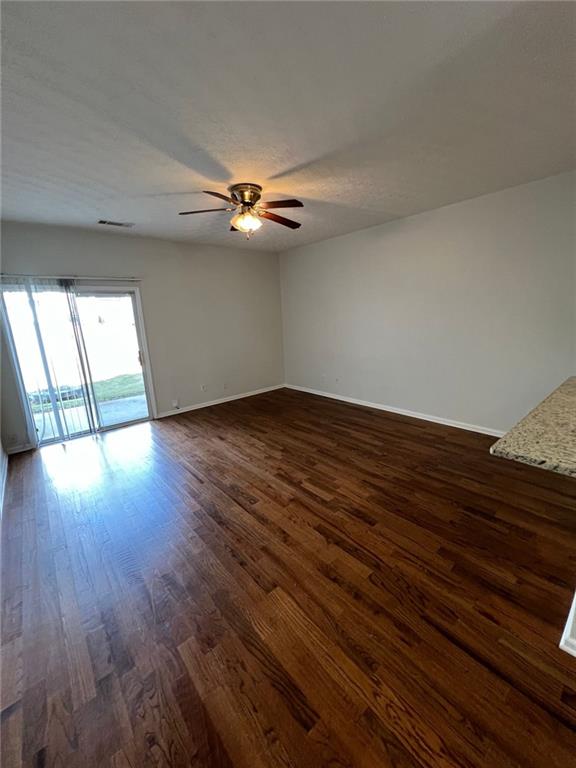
(244, 200)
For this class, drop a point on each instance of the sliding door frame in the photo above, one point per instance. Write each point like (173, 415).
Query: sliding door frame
(56, 409)
(103, 288)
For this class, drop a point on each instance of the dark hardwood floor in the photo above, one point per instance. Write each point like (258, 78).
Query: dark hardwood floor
(286, 581)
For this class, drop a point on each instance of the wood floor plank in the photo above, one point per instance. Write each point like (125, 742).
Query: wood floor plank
(287, 581)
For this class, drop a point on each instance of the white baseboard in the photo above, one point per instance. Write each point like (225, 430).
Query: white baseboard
(220, 400)
(401, 411)
(568, 641)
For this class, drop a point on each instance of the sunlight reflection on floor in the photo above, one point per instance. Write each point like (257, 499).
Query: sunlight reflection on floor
(82, 464)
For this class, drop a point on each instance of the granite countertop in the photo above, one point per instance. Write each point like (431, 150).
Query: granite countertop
(546, 437)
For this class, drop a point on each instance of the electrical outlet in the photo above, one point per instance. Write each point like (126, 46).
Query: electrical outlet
(175, 403)
(225, 386)
(204, 387)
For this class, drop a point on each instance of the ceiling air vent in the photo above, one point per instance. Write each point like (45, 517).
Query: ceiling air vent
(115, 223)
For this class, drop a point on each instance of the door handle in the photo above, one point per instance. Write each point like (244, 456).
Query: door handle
(141, 358)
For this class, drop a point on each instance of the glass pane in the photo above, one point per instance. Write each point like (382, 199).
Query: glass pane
(65, 371)
(109, 330)
(51, 372)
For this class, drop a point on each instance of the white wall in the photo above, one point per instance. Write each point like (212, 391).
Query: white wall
(13, 426)
(212, 315)
(465, 313)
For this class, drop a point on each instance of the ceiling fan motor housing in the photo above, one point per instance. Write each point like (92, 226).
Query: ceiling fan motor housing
(246, 193)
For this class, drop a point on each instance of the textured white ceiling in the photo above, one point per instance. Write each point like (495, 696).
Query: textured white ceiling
(365, 111)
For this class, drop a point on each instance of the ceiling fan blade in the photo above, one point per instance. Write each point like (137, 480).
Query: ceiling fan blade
(206, 210)
(282, 204)
(280, 219)
(221, 196)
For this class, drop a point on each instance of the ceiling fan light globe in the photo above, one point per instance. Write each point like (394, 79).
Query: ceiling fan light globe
(246, 222)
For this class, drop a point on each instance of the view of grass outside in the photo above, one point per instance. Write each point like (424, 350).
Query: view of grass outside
(118, 387)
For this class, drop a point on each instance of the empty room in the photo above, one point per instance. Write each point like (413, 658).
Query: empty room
(288, 384)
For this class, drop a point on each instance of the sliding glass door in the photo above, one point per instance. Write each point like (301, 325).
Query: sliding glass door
(51, 368)
(79, 355)
(113, 349)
